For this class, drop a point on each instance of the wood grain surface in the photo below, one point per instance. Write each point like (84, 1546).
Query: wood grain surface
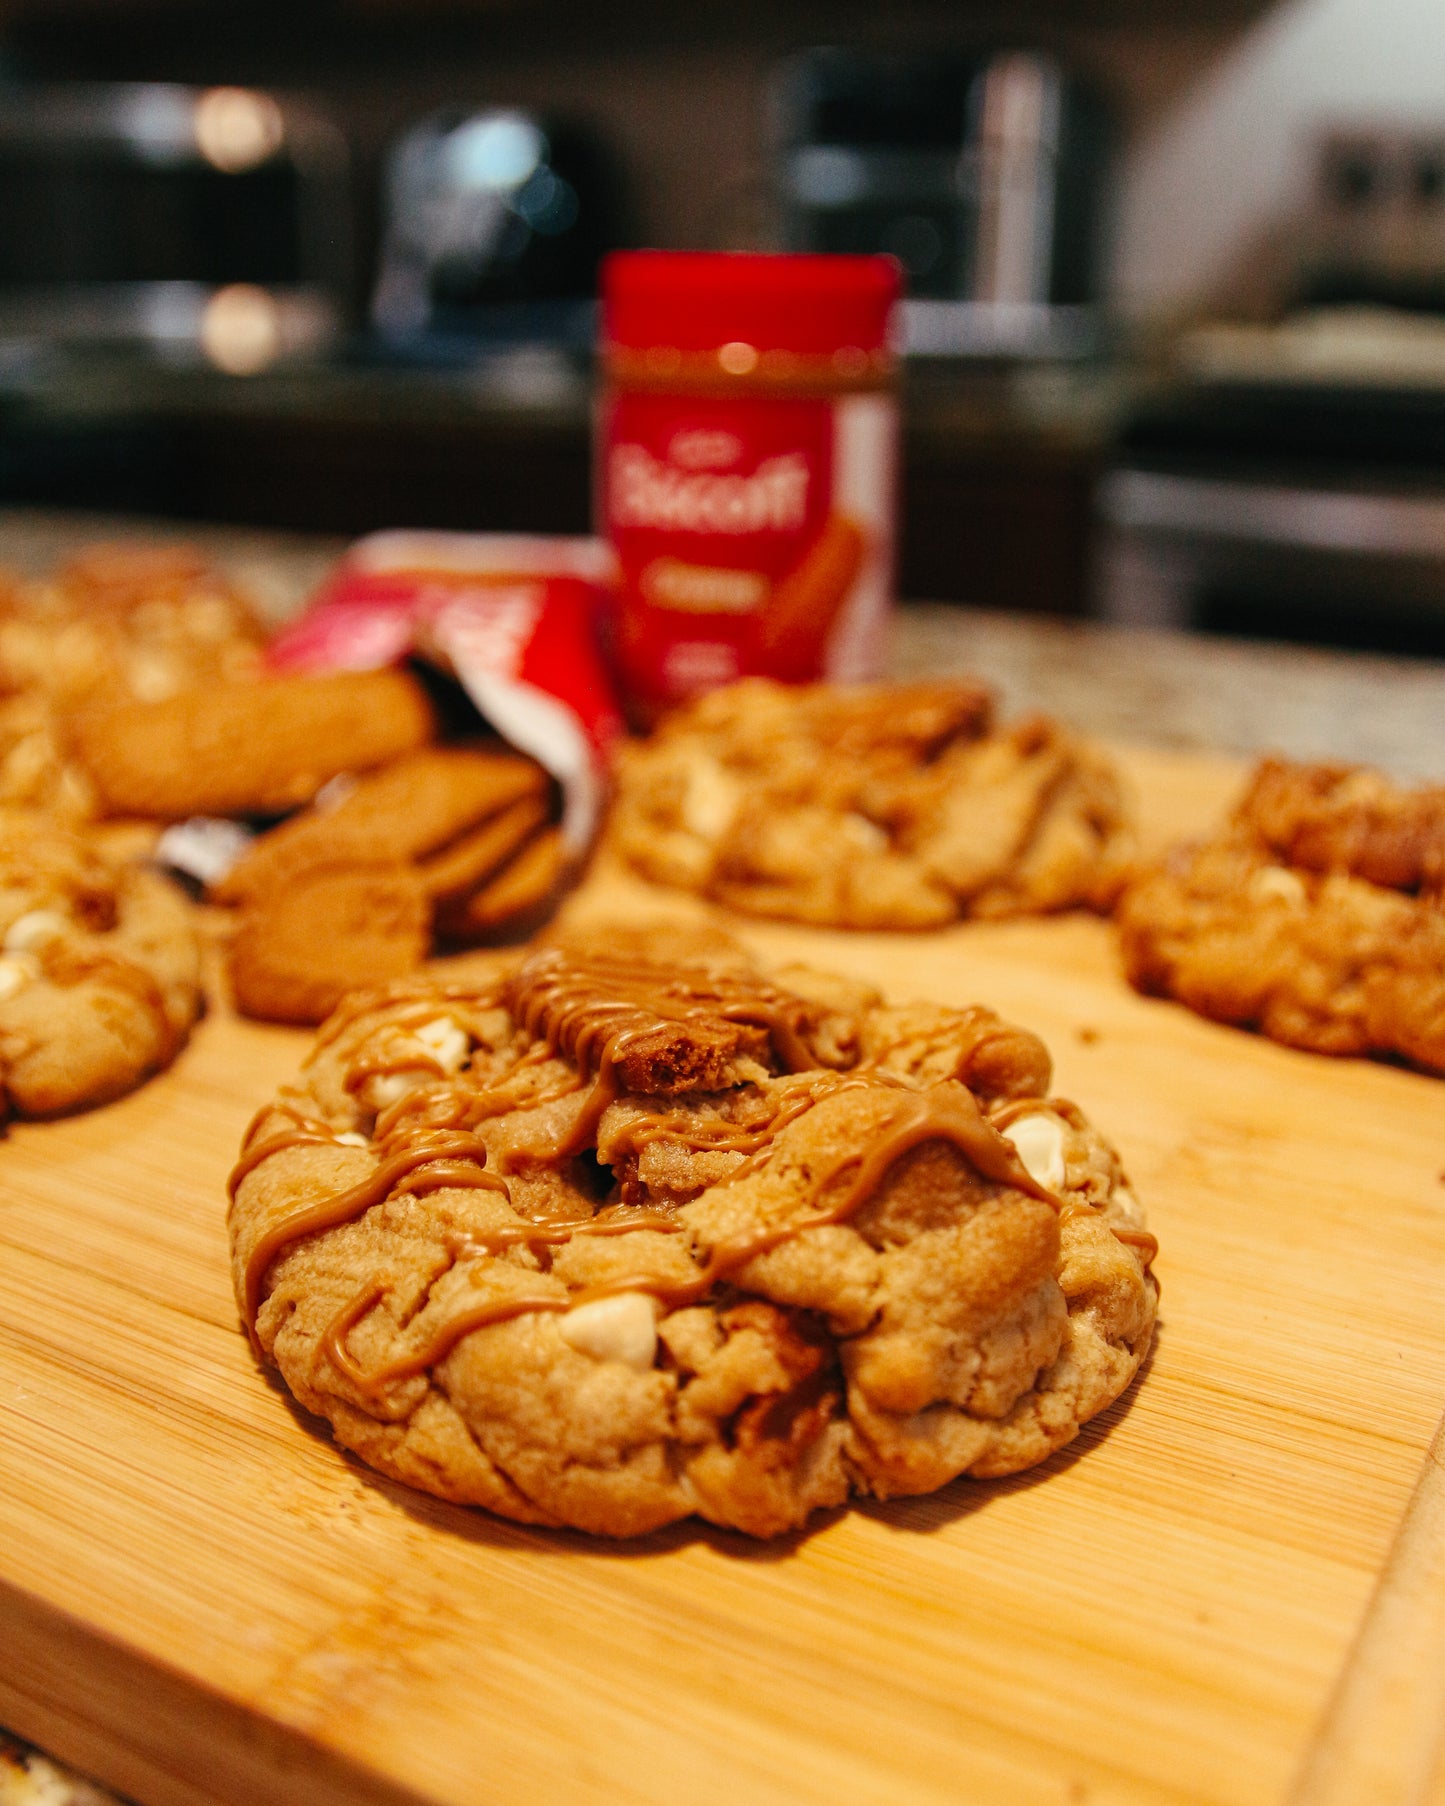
(203, 1600)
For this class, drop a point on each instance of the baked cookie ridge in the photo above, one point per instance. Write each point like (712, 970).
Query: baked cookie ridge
(617, 1235)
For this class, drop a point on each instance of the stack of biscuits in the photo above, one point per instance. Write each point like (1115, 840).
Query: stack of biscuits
(400, 844)
(442, 845)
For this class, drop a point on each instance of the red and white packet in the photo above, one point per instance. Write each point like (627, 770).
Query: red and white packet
(513, 616)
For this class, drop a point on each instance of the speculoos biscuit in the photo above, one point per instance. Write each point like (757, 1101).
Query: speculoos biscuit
(257, 748)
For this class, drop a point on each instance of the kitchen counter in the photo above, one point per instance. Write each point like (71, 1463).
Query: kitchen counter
(1182, 691)
(1186, 691)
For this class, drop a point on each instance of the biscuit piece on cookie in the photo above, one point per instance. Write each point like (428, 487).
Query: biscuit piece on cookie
(873, 806)
(1285, 922)
(99, 971)
(248, 748)
(630, 1230)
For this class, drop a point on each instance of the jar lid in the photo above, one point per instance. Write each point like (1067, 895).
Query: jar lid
(714, 300)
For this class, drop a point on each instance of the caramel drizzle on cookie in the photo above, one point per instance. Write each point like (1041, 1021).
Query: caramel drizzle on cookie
(946, 1112)
(594, 1011)
(459, 1154)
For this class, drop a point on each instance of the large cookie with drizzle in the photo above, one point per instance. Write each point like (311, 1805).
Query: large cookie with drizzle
(99, 970)
(630, 1231)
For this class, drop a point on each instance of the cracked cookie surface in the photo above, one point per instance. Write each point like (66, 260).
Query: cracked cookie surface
(99, 971)
(873, 806)
(631, 1231)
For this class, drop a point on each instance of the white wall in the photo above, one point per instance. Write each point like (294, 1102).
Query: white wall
(1205, 183)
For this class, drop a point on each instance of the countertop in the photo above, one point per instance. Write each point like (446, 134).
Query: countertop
(1192, 692)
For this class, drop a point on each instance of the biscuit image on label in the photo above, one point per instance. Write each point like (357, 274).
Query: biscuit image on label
(800, 613)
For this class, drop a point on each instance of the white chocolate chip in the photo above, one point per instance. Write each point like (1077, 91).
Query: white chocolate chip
(622, 1328)
(443, 1038)
(392, 1086)
(1127, 1205)
(862, 835)
(32, 928)
(16, 971)
(1039, 1142)
(1277, 881)
(447, 1044)
(351, 1139)
(710, 800)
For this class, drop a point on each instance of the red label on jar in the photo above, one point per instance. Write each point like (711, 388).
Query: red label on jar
(751, 533)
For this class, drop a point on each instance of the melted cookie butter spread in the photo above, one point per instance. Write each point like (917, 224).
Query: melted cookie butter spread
(571, 1025)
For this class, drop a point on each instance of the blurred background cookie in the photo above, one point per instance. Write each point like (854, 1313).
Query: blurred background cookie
(872, 806)
(116, 621)
(1315, 915)
(99, 970)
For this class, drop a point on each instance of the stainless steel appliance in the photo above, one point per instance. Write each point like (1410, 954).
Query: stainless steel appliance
(496, 222)
(982, 174)
(196, 224)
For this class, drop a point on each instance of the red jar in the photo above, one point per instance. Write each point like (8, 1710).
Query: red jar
(746, 467)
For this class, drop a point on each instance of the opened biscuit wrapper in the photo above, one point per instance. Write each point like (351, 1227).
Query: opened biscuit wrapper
(513, 617)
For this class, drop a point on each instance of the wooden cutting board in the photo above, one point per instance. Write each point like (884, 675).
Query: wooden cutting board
(202, 1599)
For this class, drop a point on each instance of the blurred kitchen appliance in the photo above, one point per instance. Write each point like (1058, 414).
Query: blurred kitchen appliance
(496, 222)
(196, 224)
(1376, 234)
(982, 175)
(1287, 496)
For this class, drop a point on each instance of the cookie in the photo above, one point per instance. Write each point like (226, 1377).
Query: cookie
(418, 805)
(515, 895)
(884, 806)
(247, 748)
(332, 923)
(630, 1230)
(1323, 960)
(1346, 818)
(99, 971)
(117, 621)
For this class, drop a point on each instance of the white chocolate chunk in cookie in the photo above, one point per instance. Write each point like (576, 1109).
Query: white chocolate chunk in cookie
(1277, 882)
(1039, 1142)
(623, 1328)
(710, 800)
(445, 1040)
(35, 926)
(16, 971)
